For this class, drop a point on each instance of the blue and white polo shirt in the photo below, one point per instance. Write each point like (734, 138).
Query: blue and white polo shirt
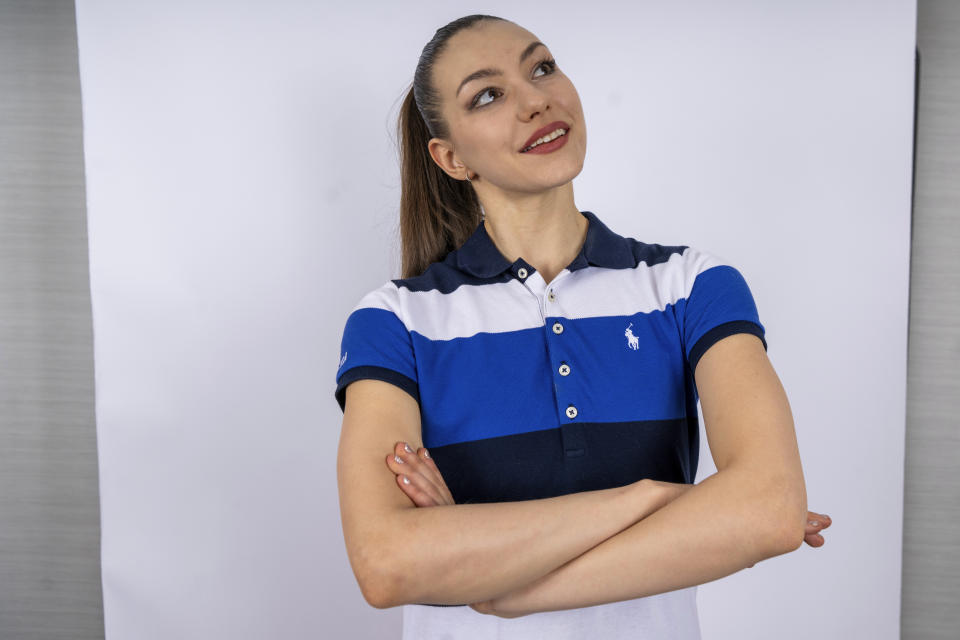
(529, 389)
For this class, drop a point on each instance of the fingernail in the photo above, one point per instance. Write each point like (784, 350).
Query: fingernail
(407, 447)
(812, 523)
(406, 480)
(398, 459)
(426, 454)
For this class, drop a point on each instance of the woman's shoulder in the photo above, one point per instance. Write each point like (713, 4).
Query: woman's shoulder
(384, 296)
(397, 294)
(674, 257)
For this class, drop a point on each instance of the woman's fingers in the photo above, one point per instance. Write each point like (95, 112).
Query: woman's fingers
(441, 484)
(411, 483)
(420, 497)
(816, 522)
(814, 539)
(430, 471)
(421, 487)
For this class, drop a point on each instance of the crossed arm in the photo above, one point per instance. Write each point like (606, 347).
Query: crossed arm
(753, 508)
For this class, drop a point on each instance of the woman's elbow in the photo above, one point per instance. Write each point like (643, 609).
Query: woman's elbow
(791, 518)
(792, 537)
(377, 579)
(377, 593)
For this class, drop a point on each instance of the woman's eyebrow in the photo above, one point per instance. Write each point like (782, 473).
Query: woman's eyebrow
(483, 73)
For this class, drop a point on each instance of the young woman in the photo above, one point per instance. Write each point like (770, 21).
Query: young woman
(548, 363)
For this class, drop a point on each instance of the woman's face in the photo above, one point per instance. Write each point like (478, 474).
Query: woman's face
(491, 118)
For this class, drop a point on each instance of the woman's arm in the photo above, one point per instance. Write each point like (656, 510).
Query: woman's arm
(427, 488)
(454, 554)
(718, 527)
(753, 508)
(461, 554)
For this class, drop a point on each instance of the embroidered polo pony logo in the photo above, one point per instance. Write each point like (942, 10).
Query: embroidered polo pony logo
(632, 341)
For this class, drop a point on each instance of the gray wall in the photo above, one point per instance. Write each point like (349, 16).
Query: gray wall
(49, 516)
(49, 508)
(931, 527)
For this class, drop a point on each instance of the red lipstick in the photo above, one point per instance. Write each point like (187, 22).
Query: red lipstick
(545, 147)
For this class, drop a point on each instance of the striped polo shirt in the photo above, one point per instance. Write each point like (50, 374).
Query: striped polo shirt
(529, 389)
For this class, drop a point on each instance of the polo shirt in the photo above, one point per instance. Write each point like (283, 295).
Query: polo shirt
(529, 389)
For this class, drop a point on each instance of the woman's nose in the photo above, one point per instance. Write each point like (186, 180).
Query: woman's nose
(532, 102)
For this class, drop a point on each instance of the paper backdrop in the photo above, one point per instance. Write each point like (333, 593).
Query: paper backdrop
(243, 191)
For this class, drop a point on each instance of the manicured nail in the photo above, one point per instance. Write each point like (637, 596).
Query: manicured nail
(426, 454)
(407, 447)
(406, 480)
(398, 459)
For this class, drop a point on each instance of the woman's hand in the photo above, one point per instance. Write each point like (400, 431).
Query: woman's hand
(426, 487)
(816, 522)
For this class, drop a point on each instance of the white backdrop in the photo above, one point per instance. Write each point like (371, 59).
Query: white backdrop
(243, 187)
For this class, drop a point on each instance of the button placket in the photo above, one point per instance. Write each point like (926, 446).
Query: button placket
(563, 368)
(571, 432)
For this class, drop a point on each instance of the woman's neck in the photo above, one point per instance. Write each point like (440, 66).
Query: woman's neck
(548, 240)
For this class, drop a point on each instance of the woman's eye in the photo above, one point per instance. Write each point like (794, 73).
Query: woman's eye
(548, 64)
(477, 102)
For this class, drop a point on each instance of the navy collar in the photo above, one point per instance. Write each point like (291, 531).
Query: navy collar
(602, 247)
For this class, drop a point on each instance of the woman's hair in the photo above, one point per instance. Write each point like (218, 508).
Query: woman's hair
(437, 212)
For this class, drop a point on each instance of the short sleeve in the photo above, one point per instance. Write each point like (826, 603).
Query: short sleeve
(376, 344)
(718, 305)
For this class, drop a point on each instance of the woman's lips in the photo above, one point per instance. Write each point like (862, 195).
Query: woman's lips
(553, 145)
(545, 130)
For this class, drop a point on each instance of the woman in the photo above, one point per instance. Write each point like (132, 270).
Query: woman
(548, 364)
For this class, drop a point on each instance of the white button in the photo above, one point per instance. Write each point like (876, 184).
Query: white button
(571, 411)
(550, 296)
(557, 328)
(564, 370)
(522, 272)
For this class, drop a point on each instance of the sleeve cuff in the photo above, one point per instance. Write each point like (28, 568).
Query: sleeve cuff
(374, 373)
(720, 331)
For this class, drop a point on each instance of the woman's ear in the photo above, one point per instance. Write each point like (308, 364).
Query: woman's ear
(445, 158)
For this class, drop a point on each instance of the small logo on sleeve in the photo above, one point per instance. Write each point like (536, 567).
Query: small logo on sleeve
(342, 360)
(632, 341)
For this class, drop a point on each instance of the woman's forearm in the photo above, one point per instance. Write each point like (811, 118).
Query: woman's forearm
(726, 523)
(468, 553)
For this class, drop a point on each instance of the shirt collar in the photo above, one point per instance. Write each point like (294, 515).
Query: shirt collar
(602, 247)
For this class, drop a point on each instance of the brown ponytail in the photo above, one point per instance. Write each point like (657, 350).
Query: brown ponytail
(437, 212)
